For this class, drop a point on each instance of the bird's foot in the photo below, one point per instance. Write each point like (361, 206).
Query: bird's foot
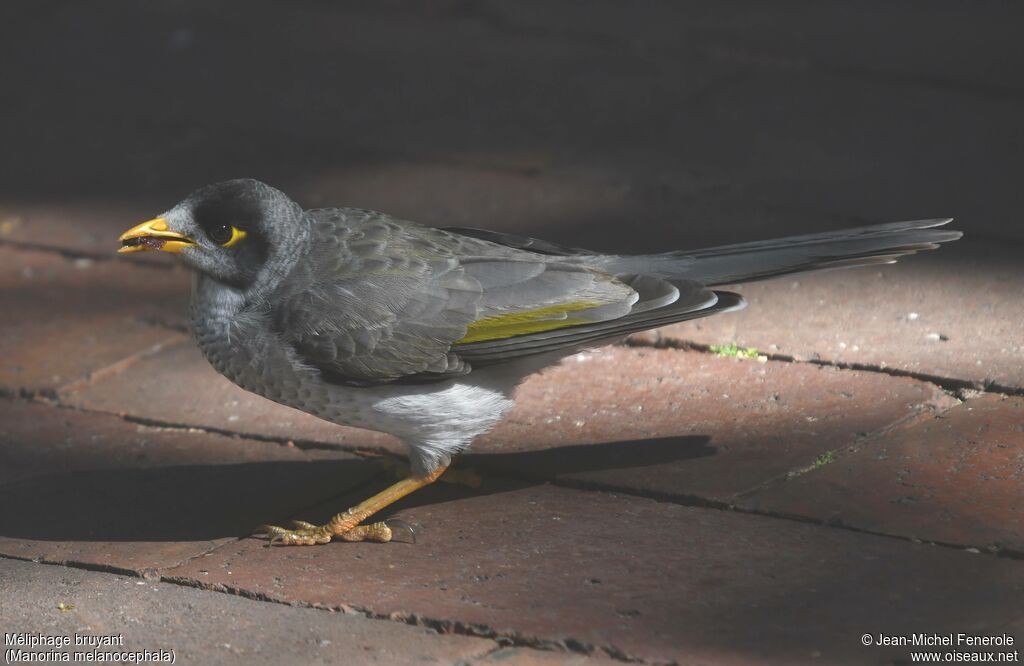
(347, 524)
(302, 533)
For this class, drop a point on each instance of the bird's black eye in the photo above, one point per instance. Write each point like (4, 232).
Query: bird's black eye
(219, 233)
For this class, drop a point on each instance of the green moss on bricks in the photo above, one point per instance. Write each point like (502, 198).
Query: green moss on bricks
(730, 350)
(823, 459)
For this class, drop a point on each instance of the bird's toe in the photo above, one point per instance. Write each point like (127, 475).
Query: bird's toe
(303, 534)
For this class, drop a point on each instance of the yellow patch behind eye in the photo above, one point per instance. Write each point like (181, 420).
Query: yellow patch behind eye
(236, 236)
(512, 324)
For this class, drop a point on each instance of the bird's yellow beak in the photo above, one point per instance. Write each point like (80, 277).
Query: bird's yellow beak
(153, 235)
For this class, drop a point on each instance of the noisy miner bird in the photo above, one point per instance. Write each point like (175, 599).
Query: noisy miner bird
(365, 320)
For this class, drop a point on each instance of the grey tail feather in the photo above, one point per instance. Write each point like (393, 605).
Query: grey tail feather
(761, 260)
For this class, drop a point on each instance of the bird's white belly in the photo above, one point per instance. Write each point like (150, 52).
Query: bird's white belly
(434, 420)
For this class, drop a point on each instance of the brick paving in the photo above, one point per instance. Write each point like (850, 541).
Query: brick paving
(727, 426)
(633, 577)
(209, 628)
(652, 502)
(954, 479)
(96, 490)
(106, 307)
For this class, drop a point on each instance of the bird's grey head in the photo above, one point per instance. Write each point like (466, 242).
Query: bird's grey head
(231, 231)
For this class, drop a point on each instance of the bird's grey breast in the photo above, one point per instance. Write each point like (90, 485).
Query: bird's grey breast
(229, 337)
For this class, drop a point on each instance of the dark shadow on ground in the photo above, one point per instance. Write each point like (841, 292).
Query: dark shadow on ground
(147, 102)
(205, 502)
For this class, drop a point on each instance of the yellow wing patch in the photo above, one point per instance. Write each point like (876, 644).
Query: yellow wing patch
(499, 327)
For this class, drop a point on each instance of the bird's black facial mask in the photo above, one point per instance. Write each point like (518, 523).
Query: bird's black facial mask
(229, 222)
(225, 230)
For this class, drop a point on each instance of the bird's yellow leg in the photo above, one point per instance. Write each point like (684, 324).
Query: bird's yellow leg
(346, 525)
(464, 476)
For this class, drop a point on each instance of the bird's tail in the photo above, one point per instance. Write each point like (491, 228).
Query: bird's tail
(760, 260)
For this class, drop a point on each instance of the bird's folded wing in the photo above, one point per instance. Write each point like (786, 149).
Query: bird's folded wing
(659, 303)
(524, 297)
(386, 301)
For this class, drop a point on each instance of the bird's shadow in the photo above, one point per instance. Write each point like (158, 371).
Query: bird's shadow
(204, 502)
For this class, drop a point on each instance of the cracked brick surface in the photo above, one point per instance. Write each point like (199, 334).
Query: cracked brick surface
(67, 318)
(954, 479)
(647, 579)
(92, 489)
(178, 386)
(207, 628)
(525, 657)
(955, 313)
(668, 423)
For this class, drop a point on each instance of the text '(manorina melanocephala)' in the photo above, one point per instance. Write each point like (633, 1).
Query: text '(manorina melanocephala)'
(369, 321)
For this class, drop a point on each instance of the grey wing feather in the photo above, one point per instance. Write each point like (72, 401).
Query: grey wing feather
(382, 300)
(540, 284)
(377, 300)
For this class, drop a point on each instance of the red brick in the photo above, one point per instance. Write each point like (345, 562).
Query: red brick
(634, 577)
(512, 656)
(92, 488)
(672, 422)
(953, 479)
(68, 318)
(208, 628)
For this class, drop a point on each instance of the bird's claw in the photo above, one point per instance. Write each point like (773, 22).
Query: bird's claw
(399, 526)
